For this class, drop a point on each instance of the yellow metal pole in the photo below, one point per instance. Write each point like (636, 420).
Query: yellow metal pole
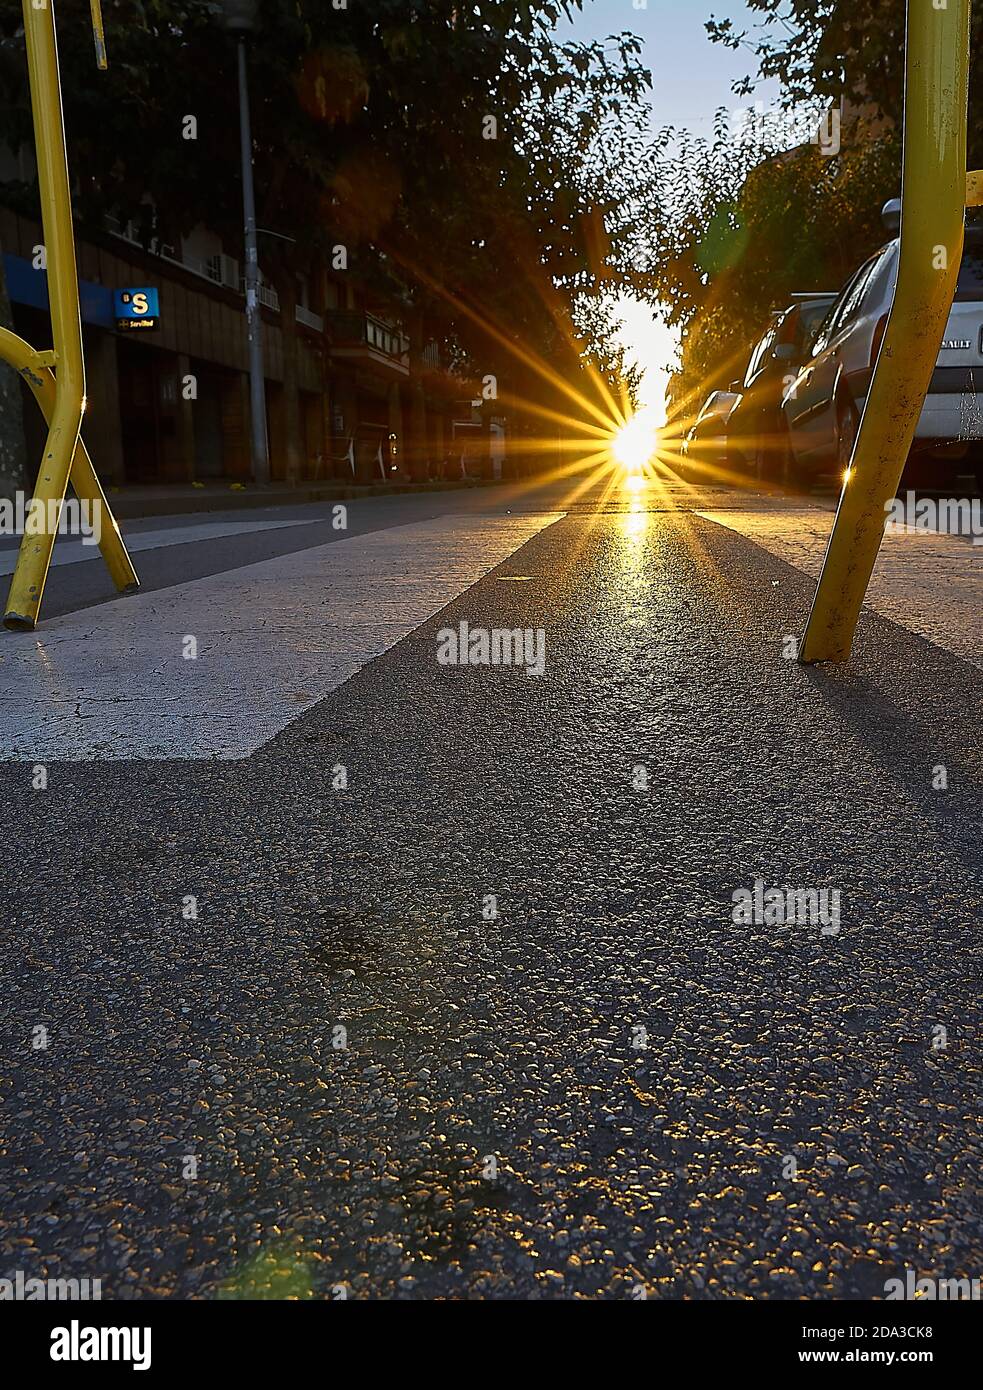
(30, 365)
(98, 34)
(934, 189)
(27, 585)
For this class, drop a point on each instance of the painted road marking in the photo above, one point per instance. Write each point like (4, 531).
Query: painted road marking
(71, 551)
(928, 582)
(273, 638)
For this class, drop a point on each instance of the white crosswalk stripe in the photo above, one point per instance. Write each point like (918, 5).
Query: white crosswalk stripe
(273, 638)
(70, 550)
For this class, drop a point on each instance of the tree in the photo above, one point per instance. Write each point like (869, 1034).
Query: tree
(450, 148)
(738, 223)
(827, 48)
(823, 48)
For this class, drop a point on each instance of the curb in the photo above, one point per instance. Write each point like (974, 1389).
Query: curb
(126, 505)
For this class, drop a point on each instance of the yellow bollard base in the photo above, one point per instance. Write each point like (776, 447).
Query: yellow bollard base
(811, 654)
(19, 622)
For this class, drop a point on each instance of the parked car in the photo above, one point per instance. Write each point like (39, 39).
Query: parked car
(706, 440)
(823, 405)
(755, 427)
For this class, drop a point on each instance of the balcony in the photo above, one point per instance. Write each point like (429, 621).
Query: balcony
(219, 269)
(309, 319)
(369, 341)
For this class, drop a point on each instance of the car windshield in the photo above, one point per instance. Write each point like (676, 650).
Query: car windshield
(810, 317)
(970, 282)
(715, 404)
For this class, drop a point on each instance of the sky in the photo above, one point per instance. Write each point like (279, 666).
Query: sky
(691, 78)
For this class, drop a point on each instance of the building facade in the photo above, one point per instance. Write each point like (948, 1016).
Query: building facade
(355, 391)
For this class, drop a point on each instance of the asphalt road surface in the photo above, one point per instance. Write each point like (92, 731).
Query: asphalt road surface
(480, 1023)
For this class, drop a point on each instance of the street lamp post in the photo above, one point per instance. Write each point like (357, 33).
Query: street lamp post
(240, 18)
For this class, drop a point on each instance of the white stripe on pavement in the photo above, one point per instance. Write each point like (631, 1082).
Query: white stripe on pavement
(273, 638)
(929, 582)
(70, 550)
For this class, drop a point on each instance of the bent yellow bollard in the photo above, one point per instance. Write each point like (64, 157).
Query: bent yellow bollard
(62, 396)
(933, 198)
(27, 585)
(30, 365)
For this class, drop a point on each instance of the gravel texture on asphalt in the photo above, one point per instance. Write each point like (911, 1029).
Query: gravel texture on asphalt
(791, 1127)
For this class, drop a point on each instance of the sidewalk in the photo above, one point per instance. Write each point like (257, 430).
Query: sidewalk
(140, 500)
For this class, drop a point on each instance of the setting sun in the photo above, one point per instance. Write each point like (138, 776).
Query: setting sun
(635, 443)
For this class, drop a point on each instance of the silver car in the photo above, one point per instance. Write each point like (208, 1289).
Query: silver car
(823, 404)
(706, 440)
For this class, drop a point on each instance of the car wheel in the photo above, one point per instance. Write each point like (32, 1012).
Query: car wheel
(770, 465)
(974, 465)
(847, 427)
(773, 462)
(736, 461)
(788, 472)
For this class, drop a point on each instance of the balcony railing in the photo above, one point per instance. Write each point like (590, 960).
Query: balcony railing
(351, 328)
(218, 269)
(265, 293)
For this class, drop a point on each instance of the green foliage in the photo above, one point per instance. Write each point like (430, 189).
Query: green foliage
(823, 48)
(369, 128)
(827, 48)
(741, 221)
(812, 221)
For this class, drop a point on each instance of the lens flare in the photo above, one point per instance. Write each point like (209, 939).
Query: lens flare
(635, 443)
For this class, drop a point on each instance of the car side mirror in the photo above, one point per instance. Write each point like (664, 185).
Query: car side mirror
(891, 215)
(735, 386)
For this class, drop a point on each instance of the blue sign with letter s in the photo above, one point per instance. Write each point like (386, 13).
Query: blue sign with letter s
(136, 307)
